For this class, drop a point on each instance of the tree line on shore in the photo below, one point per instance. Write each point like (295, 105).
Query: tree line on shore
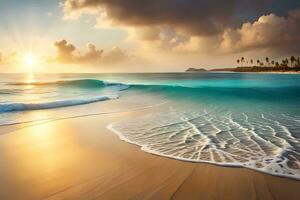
(267, 62)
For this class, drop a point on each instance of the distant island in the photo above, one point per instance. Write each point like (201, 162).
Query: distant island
(259, 69)
(244, 65)
(286, 65)
(191, 69)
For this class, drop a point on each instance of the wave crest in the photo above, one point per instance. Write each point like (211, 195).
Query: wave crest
(82, 83)
(10, 107)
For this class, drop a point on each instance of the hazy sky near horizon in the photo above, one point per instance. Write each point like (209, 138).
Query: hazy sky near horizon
(148, 35)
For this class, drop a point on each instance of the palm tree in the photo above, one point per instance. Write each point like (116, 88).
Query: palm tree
(258, 62)
(267, 60)
(283, 63)
(238, 62)
(242, 60)
(287, 62)
(273, 62)
(251, 61)
(293, 59)
(277, 64)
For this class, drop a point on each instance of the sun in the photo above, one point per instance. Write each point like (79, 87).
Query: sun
(30, 60)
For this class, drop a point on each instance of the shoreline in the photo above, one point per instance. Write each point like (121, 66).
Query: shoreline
(233, 165)
(85, 160)
(256, 72)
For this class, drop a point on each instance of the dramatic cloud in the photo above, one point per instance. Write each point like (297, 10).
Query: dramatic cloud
(196, 25)
(295, 14)
(68, 53)
(268, 32)
(192, 16)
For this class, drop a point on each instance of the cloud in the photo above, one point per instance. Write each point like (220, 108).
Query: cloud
(269, 32)
(157, 37)
(92, 55)
(116, 55)
(64, 51)
(68, 53)
(295, 14)
(191, 16)
(198, 26)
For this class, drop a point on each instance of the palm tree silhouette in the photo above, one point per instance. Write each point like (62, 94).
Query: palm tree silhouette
(291, 62)
(267, 61)
(293, 59)
(284, 63)
(272, 62)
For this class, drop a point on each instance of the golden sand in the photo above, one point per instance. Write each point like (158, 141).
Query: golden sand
(81, 159)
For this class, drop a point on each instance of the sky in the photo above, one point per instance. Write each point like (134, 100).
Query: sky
(144, 35)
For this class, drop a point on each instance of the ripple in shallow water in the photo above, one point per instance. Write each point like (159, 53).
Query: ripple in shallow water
(263, 142)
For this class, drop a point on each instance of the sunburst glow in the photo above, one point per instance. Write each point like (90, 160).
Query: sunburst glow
(30, 59)
(30, 62)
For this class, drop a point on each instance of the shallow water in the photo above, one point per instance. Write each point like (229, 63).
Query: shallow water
(234, 119)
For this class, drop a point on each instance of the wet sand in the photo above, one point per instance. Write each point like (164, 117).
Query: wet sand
(81, 159)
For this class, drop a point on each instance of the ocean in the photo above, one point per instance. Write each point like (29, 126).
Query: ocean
(229, 119)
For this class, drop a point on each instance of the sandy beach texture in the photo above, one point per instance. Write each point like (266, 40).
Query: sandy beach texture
(80, 159)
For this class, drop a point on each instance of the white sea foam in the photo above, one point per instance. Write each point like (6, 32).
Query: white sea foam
(10, 107)
(261, 142)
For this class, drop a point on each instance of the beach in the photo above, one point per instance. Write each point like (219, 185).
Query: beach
(140, 100)
(150, 136)
(80, 158)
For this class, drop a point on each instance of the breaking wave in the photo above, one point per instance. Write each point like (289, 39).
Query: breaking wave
(76, 99)
(80, 83)
(10, 107)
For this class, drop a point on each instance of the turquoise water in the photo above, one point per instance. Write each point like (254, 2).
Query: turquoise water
(232, 119)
